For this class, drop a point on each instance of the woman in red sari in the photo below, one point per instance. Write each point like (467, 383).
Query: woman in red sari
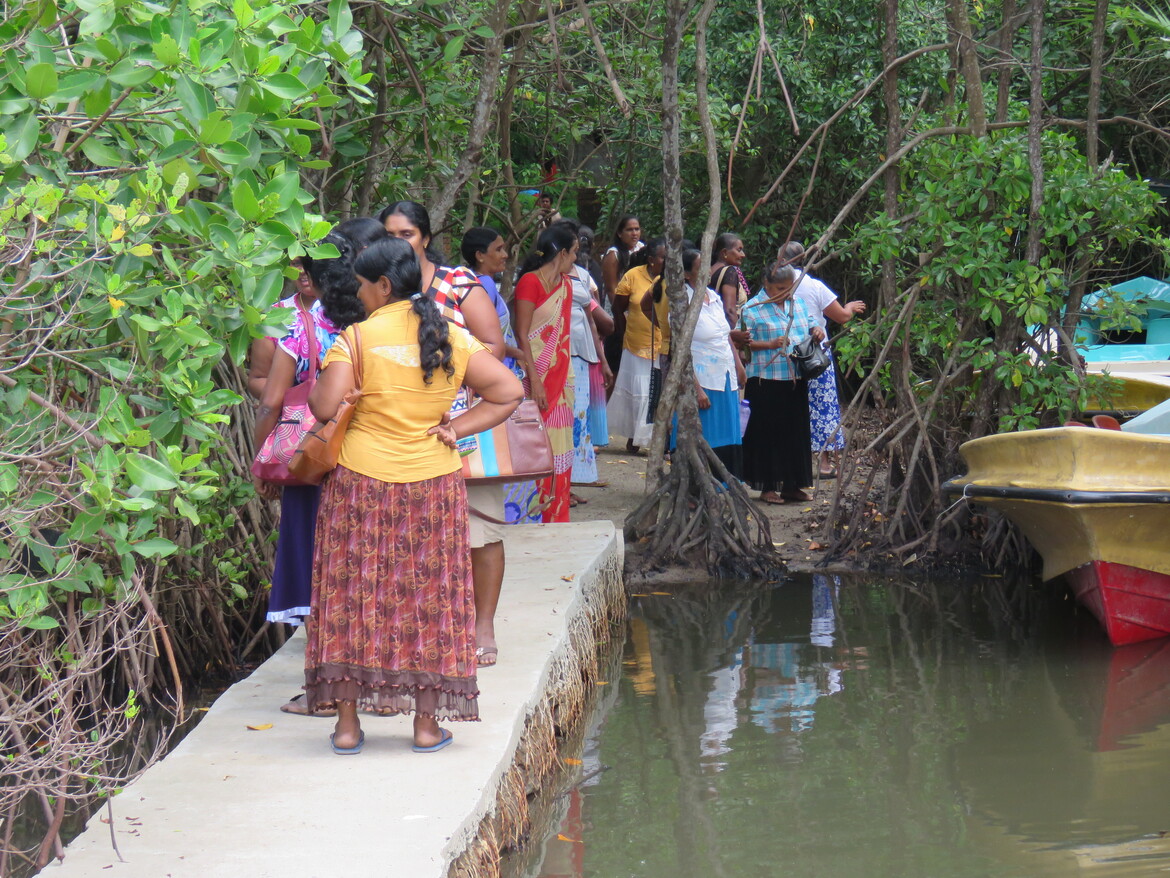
(543, 304)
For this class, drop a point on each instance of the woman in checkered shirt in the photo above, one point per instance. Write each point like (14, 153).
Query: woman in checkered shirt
(775, 446)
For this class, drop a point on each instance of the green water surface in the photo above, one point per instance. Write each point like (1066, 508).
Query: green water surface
(837, 727)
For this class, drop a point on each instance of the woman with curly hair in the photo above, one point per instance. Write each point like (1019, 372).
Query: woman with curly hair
(332, 306)
(393, 606)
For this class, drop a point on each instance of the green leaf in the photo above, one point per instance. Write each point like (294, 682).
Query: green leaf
(86, 525)
(155, 548)
(340, 18)
(132, 72)
(40, 623)
(149, 474)
(244, 13)
(40, 81)
(147, 323)
(453, 48)
(232, 153)
(22, 136)
(284, 85)
(244, 201)
(166, 49)
(9, 478)
(195, 97)
(101, 154)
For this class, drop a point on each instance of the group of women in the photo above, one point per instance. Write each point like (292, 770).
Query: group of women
(740, 336)
(394, 564)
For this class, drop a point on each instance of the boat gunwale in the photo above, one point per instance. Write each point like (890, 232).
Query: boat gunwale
(1063, 496)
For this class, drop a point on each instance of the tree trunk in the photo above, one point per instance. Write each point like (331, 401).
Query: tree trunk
(481, 119)
(696, 513)
(969, 66)
(1007, 61)
(1035, 132)
(1096, 52)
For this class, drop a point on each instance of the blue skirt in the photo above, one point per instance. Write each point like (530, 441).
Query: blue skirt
(292, 578)
(721, 421)
(720, 425)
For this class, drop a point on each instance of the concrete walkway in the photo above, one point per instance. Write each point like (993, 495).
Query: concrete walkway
(232, 802)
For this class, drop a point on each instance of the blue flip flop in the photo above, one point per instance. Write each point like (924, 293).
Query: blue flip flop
(349, 751)
(446, 739)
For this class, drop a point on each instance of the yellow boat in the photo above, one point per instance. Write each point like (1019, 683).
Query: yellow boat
(1135, 393)
(1096, 505)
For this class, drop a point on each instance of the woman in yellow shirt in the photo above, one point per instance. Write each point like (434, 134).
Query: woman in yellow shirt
(631, 393)
(392, 593)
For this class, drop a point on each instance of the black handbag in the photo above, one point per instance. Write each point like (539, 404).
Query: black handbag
(655, 393)
(810, 359)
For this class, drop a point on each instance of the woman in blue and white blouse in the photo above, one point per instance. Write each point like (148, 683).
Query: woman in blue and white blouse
(775, 446)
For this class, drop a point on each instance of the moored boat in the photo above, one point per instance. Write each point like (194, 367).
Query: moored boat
(1096, 505)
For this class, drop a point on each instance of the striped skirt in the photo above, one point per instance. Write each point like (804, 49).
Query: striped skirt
(393, 605)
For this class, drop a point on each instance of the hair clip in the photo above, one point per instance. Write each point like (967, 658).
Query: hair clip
(416, 296)
(540, 253)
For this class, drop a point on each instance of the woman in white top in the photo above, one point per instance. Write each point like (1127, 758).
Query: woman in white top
(824, 408)
(585, 349)
(717, 369)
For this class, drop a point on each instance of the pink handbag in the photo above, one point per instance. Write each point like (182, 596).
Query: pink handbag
(296, 420)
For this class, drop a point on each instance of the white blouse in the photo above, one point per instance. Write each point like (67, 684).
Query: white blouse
(711, 345)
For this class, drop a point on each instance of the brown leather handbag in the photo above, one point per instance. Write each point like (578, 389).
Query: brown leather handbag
(317, 454)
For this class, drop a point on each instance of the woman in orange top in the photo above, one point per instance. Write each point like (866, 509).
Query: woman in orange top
(393, 605)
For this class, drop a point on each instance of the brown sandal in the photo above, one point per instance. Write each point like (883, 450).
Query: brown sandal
(296, 706)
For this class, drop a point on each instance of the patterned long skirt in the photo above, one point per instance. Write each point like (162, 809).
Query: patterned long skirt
(825, 411)
(554, 492)
(584, 457)
(522, 503)
(598, 422)
(393, 605)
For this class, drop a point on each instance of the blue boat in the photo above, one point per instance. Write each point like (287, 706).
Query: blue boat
(1149, 351)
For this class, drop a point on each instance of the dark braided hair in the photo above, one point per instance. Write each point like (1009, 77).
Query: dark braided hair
(395, 260)
(336, 281)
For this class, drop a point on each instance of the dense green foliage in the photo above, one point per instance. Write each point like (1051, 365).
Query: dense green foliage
(960, 254)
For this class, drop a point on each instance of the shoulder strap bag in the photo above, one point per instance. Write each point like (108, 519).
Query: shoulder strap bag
(276, 453)
(318, 452)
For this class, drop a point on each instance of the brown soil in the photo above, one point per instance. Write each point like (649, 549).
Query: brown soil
(796, 527)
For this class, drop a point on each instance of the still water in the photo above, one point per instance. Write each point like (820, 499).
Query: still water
(842, 727)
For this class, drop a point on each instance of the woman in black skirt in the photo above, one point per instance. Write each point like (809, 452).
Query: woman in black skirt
(775, 446)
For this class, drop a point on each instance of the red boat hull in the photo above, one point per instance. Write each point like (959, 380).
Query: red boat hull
(1131, 603)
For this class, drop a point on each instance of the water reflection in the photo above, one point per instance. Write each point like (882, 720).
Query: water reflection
(832, 727)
